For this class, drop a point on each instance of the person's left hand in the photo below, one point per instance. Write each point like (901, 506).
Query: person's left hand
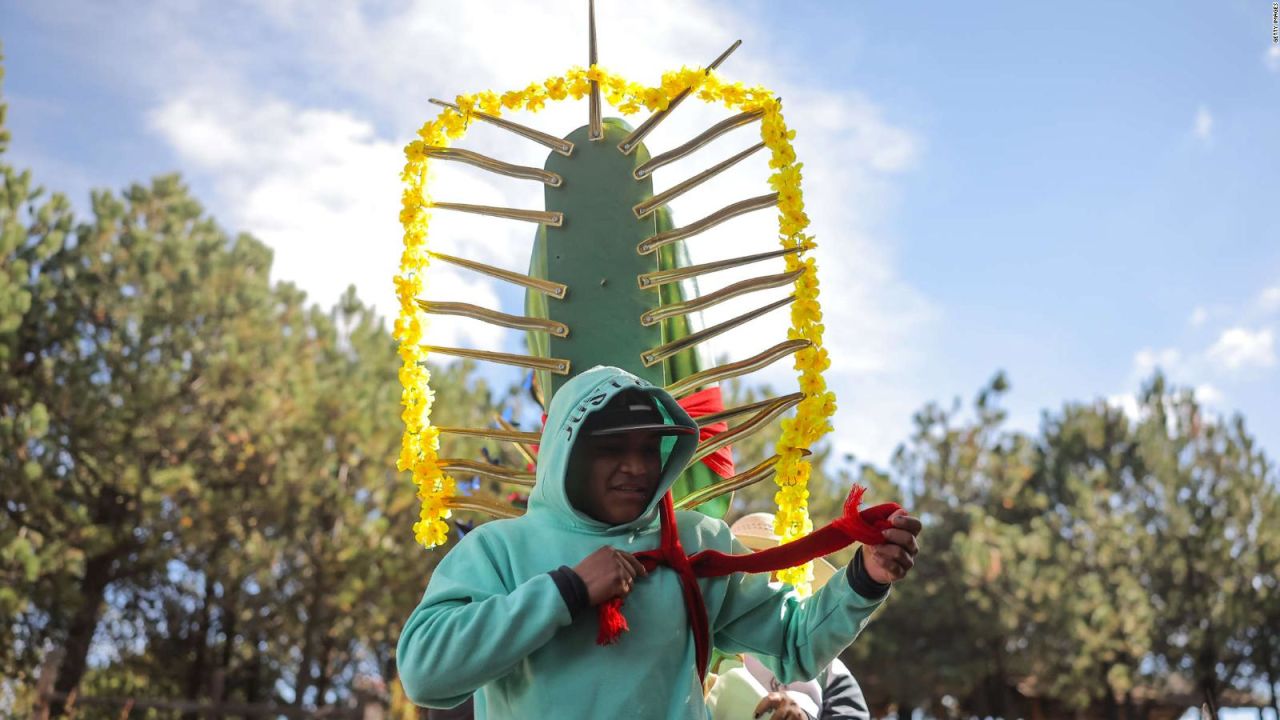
(893, 559)
(783, 707)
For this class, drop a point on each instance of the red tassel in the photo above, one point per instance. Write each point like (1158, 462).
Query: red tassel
(865, 526)
(611, 622)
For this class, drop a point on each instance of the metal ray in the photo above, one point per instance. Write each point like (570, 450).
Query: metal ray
(760, 472)
(485, 503)
(728, 292)
(650, 244)
(546, 287)
(630, 142)
(738, 368)
(558, 366)
(676, 191)
(504, 435)
(752, 426)
(596, 127)
(560, 145)
(493, 472)
(494, 165)
(702, 139)
(656, 355)
(724, 415)
(518, 322)
(653, 280)
(525, 450)
(553, 219)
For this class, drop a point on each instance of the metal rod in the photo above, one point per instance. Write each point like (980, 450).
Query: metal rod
(518, 322)
(504, 435)
(485, 503)
(648, 245)
(724, 415)
(764, 470)
(560, 145)
(752, 426)
(493, 472)
(653, 356)
(546, 287)
(525, 451)
(653, 280)
(676, 191)
(596, 128)
(558, 366)
(630, 142)
(738, 368)
(703, 138)
(742, 287)
(553, 219)
(485, 162)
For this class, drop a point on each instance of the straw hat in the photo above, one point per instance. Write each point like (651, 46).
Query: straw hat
(756, 532)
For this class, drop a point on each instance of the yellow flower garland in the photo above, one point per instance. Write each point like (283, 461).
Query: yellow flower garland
(421, 441)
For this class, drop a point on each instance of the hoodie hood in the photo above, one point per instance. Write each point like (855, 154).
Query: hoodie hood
(570, 407)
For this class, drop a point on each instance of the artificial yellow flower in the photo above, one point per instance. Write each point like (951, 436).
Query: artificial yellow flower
(557, 88)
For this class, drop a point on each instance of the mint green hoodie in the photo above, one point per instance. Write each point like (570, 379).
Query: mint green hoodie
(492, 619)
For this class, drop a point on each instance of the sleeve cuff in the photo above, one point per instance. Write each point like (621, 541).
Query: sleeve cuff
(861, 582)
(572, 589)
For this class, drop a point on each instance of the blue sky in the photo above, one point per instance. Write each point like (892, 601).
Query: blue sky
(1074, 194)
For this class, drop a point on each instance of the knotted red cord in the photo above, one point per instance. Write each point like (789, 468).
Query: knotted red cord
(864, 526)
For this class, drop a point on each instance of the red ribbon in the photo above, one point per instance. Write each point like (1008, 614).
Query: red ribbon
(703, 403)
(865, 526)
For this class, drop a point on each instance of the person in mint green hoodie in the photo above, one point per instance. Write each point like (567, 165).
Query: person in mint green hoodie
(508, 614)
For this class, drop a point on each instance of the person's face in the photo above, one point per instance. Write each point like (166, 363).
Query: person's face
(615, 476)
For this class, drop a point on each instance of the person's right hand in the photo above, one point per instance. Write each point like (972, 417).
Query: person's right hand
(782, 707)
(609, 573)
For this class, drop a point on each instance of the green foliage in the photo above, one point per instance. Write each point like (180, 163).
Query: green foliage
(198, 466)
(1105, 566)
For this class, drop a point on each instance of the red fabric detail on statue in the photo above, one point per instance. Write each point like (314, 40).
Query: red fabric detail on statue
(864, 526)
(703, 403)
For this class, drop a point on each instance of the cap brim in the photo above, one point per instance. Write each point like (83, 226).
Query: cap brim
(656, 428)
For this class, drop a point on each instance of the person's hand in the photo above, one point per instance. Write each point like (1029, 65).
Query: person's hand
(783, 707)
(892, 560)
(609, 573)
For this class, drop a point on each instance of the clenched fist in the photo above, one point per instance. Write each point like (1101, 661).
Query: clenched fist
(892, 560)
(609, 573)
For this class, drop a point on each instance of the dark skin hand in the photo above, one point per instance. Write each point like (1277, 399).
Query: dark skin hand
(783, 707)
(891, 561)
(609, 573)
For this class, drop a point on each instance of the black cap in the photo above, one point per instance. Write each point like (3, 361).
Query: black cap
(632, 411)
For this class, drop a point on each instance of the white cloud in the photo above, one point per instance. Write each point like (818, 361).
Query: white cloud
(1272, 58)
(1269, 299)
(1198, 316)
(1147, 360)
(1240, 347)
(1128, 404)
(321, 189)
(1203, 126)
(1208, 394)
